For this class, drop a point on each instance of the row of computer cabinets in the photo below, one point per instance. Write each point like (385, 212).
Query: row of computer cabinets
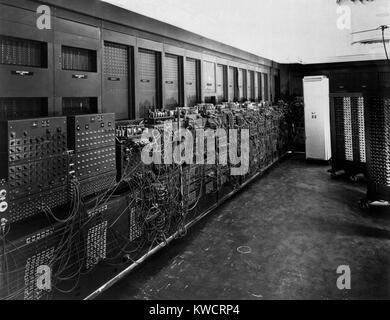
(76, 68)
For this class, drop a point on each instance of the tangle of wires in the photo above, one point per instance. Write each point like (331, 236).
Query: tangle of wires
(156, 199)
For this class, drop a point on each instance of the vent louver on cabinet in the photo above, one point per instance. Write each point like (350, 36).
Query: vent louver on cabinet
(266, 94)
(172, 85)
(220, 82)
(79, 59)
(147, 69)
(379, 134)
(23, 52)
(348, 133)
(191, 81)
(116, 59)
(78, 106)
(22, 108)
(116, 81)
(232, 79)
(348, 129)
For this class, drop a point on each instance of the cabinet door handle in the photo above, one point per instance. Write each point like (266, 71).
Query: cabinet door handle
(79, 76)
(22, 73)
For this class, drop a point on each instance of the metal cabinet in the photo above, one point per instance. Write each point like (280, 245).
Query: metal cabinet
(26, 65)
(256, 86)
(260, 85)
(377, 115)
(117, 80)
(266, 87)
(221, 82)
(209, 77)
(317, 118)
(77, 54)
(242, 80)
(172, 81)
(232, 84)
(250, 86)
(192, 81)
(341, 82)
(383, 80)
(148, 65)
(348, 133)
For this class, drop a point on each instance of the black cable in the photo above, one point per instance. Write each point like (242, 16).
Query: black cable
(383, 28)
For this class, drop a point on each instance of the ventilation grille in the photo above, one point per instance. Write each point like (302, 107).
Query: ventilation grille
(362, 130)
(78, 59)
(23, 52)
(379, 164)
(147, 69)
(266, 87)
(22, 108)
(241, 83)
(256, 85)
(250, 85)
(96, 244)
(220, 82)
(147, 65)
(191, 81)
(31, 291)
(77, 106)
(135, 226)
(116, 59)
(231, 83)
(350, 129)
(209, 76)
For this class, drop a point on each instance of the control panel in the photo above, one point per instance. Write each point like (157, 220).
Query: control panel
(95, 161)
(86, 132)
(92, 139)
(129, 145)
(34, 161)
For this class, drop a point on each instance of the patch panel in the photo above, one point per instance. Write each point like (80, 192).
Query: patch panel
(92, 138)
(35, 159)
(94, 131)
(24, 253)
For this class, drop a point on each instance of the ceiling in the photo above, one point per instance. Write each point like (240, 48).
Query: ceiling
(288, 31)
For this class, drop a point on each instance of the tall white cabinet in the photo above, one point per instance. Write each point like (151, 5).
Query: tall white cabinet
(317, 118)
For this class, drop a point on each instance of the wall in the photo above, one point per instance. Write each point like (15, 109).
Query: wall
(90, 22)
(288, 31)
(359, 73)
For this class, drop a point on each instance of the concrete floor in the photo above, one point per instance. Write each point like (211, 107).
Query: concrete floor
(300, 226)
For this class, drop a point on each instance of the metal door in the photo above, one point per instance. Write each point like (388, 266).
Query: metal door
(26, 56)
(266, 95)
(241, 78)
(261, 96)
(77, 62)
(250, 89)
(232, 83)
(147, 69)
(191, 80)
(116, 80)
(256, 86)
(220, 83)
(209, 77)
(171, 76)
